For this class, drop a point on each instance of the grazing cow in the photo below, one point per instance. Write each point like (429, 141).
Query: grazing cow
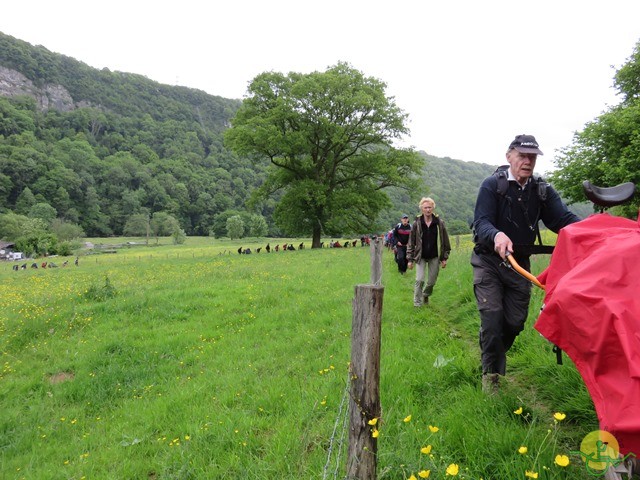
(277, 248)
(321, 244)
(15, 267)
(301, 246)
(66, 262)
(354, 243)
(240, 250)
(246, 251)
(23, 266)
(34, 265)
(44, 265)
(258, 249)
(290, 247)
(268, 248)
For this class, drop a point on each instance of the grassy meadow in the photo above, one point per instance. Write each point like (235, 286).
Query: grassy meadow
(194, 362)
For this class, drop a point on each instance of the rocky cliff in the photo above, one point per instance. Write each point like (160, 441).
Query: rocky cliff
(13, 84)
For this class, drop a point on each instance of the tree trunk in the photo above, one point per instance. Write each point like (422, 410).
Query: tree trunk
(316, 236)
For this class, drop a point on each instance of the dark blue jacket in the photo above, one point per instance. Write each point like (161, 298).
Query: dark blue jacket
(506, 213)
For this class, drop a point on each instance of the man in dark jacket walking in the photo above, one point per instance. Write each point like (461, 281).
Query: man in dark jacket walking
(400, 239)
(507, 211)
(427, 233)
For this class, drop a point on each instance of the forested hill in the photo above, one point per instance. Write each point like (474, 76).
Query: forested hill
(95, 147)
(455, 184)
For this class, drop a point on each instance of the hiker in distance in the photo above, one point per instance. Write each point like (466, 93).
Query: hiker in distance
(427, 233)
(400, 240)
(509, 205)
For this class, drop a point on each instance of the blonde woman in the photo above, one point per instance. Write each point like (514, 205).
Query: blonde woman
(428, 250)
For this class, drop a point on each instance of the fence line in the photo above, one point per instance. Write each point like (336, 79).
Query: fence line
(342, 414)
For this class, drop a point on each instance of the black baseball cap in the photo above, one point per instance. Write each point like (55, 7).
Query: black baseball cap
(526, 144)
(405, 216)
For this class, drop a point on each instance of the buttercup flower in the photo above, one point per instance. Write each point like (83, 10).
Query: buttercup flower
(426, 450)
(518, 411)
(559, 416)
(433, 429)
(407, 419)
(453, 470)
(373, 421)
(562, 460)
(375, 433)
(424, 473)
(412, 477)
(523, 450)
(531, 474)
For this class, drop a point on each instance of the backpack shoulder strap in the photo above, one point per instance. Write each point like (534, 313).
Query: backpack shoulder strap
(541, 185)
(503, 179)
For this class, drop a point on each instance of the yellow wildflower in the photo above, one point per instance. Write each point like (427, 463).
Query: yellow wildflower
(375, 433)
(559, 416)
(412, 477)
(426, 450)
(518, 411)
(530, 474)
(407, 419)
(373, 421)
(523, 450)
(424, 473)
(453, 470)
(433, 429)
(562, 460)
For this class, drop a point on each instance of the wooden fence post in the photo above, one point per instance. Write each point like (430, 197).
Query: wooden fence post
(364, 403)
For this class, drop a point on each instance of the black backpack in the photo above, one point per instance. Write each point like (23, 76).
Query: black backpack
(502, 175)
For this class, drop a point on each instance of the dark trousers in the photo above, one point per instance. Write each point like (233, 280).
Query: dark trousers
(401, 258)
(503, 302)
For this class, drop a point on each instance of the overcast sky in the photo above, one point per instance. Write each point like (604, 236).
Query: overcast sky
(470, 74)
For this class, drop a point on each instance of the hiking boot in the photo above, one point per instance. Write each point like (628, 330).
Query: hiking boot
(491, 383)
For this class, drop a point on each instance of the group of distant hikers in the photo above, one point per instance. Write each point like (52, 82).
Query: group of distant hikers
(47, 264)
(364, 241)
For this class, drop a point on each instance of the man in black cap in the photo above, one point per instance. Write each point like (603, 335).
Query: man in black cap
(509, 205)
(400, 239)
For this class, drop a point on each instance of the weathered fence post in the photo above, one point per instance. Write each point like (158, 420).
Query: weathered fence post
(364, 404)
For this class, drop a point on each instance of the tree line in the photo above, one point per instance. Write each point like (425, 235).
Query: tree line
(301, 154)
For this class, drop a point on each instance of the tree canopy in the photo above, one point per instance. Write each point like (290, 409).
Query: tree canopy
(329, 139)
(607, 151)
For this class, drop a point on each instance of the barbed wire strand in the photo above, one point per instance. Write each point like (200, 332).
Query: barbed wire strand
(345, 423)
(343, 429)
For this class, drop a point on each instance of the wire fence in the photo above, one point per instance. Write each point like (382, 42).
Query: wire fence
(337, 440)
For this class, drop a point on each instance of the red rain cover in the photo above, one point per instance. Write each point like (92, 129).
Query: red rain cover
(592, 312)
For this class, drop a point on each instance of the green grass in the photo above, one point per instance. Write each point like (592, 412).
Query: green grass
(187, 362)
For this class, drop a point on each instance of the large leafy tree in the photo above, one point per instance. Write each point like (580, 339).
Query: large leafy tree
(607, 151)
(329, 139)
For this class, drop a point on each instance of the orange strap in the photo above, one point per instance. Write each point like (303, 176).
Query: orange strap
(523, 272)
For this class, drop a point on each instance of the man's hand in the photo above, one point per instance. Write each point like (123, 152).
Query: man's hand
(410, 265)
(502, 245)
(443, 263)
